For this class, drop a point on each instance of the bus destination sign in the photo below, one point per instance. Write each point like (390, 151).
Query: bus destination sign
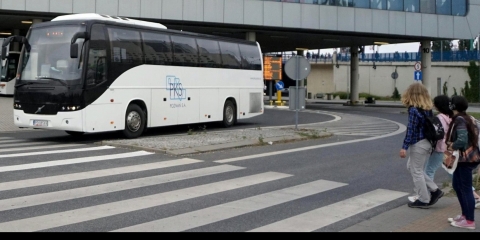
(272, 68)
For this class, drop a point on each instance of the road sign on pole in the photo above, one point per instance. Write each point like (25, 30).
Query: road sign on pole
(297, 68)
(418, 66)
(395, 75)
(417, 76)
(279, 86)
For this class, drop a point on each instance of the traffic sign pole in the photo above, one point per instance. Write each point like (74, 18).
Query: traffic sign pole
(297, 68)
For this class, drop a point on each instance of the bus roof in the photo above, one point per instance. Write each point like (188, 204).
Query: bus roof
(133, 22)
(92, 16)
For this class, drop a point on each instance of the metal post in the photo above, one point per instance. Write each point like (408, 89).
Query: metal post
(298, 96)
(441, 51)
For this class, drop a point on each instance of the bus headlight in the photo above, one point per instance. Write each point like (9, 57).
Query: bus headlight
(17, 106)
(70, 108)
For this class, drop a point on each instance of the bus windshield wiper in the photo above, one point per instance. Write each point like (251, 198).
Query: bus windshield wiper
(23, 84)
(54, 79)
(27, 83)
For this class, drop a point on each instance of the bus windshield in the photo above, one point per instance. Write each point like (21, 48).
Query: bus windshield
(49, 57)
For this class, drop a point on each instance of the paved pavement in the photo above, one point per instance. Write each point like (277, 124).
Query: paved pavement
(402, 219)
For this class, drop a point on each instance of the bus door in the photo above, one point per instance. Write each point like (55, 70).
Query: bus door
(97, 82)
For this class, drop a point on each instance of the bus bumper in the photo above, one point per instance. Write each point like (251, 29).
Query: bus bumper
(68, 121)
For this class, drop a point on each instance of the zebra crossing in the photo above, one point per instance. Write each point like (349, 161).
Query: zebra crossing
(354, 125)
(134, 191)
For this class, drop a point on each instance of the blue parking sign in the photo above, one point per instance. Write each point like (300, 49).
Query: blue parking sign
(417, 76)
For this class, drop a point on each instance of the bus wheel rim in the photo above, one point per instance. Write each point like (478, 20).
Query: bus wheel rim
(134, 121)
(229, 114)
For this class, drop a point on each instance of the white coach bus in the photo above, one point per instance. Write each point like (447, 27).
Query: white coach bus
(8, 70)
(91, 73)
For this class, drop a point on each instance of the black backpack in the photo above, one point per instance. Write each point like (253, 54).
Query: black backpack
(432, 129)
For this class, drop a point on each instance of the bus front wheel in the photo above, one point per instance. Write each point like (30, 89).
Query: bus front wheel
(229, 114)
(134, 121)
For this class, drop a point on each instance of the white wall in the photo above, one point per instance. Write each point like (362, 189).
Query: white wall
(328, 78)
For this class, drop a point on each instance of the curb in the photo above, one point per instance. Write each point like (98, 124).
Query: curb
(210, 148)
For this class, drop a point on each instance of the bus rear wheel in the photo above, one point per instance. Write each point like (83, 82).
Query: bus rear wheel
(75, 134)
(229, 114)
(134, 121)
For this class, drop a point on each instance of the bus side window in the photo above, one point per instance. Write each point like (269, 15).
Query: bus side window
(185, 52)
(209, 53)
(157, 48)
(251, 58)
(230, 55)
(96, 65)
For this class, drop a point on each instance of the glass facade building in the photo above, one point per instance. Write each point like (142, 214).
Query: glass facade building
(441, 7)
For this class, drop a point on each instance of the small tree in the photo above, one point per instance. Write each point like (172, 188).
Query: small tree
(445, 89)
(396, 94)
(454, 92)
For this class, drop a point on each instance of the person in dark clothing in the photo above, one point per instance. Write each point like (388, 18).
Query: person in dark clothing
(463, 135)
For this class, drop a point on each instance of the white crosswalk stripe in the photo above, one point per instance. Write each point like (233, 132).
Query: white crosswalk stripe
(5, 138)
(9, 204)
(43, 146)
(36, 198)
(228, 210)
(56, 152)
(110, 209)
(327, 215)
(72, 161)
(354, 125)
(11, 141)
(93, 174)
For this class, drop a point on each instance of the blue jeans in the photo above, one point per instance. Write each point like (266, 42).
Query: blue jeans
(433, 163)
(462, 184)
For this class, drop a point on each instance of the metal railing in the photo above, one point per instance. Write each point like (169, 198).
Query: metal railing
(448, 56)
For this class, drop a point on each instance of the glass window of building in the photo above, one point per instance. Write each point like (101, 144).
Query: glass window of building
(361, 3)
(411, 5)
(444, 7)
(459, 8)
(379, 4)
(395, 5)
(327, 2)
(345, 3)
(427, 6)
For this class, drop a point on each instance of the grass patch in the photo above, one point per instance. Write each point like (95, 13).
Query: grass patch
(474, 114)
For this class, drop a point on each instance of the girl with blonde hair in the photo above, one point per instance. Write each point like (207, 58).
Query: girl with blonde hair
(417, 99)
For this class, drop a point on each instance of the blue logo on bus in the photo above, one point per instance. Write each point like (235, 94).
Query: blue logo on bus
(176, 89)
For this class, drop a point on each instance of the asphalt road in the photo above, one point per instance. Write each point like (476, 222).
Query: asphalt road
(332, 184)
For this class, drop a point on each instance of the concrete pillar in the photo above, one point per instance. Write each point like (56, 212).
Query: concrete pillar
(16, 45)
(301, 83)
(251, 36)
(427, 65)
(354, 77)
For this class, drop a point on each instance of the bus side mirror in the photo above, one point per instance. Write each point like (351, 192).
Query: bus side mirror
(4, 53)
(73, 50)
(78, 35)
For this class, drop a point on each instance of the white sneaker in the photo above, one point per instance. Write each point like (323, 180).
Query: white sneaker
(477, 203)
(413, 198)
